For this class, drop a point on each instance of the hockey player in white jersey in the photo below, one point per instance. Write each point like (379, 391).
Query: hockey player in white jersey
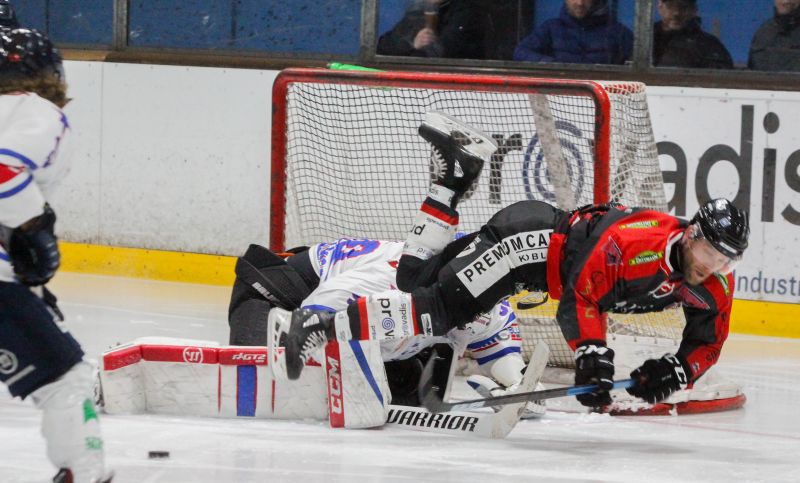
(329, 276)
(39, 358)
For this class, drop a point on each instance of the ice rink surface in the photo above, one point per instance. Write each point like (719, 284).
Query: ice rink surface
(757, 443)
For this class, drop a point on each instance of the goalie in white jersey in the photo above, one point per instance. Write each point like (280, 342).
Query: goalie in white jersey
(329, 276)
(38, 358)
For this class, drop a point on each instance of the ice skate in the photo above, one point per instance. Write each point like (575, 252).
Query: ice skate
(459, 151)
(65, 476)
(309, 332)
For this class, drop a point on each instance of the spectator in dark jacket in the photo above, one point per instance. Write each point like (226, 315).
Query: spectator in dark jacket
(776, 44)
(584, 33)
(7, 16)
(439, 28)
(680, 42)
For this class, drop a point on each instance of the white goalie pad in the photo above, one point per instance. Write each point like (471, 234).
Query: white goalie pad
(358, 391)
(201, 378)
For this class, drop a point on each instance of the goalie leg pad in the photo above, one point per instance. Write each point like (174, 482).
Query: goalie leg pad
(199, 378)
(383, 316)
(358, 391)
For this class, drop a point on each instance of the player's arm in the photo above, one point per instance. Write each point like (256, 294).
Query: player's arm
(583, 324)
(707, 311)
(707, 328)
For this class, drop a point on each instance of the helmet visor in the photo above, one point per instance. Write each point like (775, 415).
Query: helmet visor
(709, 257)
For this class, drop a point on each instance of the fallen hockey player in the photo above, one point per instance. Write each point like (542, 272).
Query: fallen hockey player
(594, 259)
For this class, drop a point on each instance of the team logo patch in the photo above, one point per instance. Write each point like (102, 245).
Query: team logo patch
(639, 225)
(691, 298)
(613, 253)
(8, 362)
(647, 256)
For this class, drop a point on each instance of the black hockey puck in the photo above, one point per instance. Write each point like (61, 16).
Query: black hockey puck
(157, 454)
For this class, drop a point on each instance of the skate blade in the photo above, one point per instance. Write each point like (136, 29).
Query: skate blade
(481, 145)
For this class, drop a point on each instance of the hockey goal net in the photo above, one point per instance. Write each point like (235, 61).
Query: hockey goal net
(347, 162)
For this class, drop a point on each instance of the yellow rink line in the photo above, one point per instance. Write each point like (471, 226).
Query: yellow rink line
(748, 317)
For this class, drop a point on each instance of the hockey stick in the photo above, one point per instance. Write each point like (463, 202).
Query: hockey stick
(432, 399)
(495, 425)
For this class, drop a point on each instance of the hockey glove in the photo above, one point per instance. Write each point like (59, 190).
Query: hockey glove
(658, 378)
(594, 364)
(34, 250)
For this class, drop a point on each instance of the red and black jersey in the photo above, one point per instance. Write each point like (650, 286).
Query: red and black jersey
(622, 260)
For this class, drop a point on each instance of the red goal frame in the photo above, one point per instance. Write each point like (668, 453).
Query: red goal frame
(427, 80)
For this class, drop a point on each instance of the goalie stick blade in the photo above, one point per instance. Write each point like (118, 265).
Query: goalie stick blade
(430, 394)
(463, 423)
(509, 415)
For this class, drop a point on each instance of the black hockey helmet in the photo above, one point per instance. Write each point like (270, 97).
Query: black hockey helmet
(28, 53)
(8, 18)
(725, 226)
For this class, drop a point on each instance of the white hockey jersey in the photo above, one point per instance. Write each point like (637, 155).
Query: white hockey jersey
(352, 268)
(33, 132)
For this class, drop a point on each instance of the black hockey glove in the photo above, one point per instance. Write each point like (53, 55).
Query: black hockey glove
(594, 364)
(33, 249)
(658, 378)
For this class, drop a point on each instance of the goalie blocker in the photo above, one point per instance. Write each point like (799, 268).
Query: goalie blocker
(201, 378)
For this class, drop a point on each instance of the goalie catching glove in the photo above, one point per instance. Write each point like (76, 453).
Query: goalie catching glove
(658, 378)
(594, 364)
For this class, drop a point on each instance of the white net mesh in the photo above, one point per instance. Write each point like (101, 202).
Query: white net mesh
(356, 167)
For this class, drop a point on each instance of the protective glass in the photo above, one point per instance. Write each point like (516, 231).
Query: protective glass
(705, 253)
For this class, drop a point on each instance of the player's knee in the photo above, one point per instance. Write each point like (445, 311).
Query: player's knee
(408, 271)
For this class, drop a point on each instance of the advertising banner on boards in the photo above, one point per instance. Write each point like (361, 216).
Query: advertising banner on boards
(745, 146)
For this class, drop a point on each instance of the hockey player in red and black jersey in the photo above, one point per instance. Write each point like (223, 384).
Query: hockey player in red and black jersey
(595, 260)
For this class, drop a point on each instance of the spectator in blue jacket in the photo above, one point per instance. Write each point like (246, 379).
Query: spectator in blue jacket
(584, 33)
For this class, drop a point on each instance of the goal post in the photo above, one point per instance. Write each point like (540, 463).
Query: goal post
(347, 162)
(290, 83)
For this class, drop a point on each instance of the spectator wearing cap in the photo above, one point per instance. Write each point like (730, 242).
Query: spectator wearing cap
(680, 42)
(776, 44)
(583, 33)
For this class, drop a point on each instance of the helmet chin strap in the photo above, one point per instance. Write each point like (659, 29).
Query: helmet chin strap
(676, 257)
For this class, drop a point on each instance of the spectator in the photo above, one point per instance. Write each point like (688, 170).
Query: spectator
(439, 28)
(8, 18)
(584, 33)
(776, 44)
(680, 42)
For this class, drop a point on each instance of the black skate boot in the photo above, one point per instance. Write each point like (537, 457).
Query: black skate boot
(65, 476)
(459, 151)
(309, 332)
